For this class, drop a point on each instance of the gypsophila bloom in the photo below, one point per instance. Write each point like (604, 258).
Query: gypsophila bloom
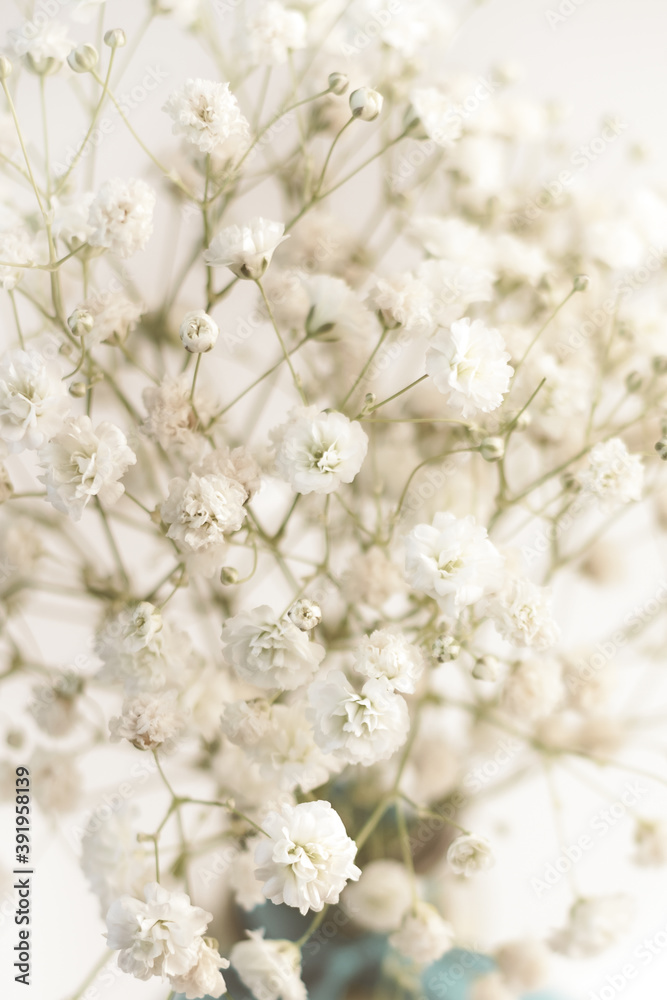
(121, 216)
(405, 300)
(246, 722)
(270, 652)
(469, 854)
(317, 451)
(170, 417)
(82, 463)
(521, 612)
(271, 969)
(204, 978)
(381, 897)
(272, 31)
(207, 114)
(359, 727)
(452, 560)
(114, 317)
(247, 890)
(287, 752)
(366, 104)
(17, 247)
(33, 400)
(305, 614)
(423, 936)
(651, 842)
(148, 720)
(594, 925)
(390, 655)
(246, 250)
(112, 859)
(45, 47)
(70, 217)
(201, 511)
(141, 651)
(56, 780)
(198, 332)
(160, 935)
(613, 475)
(468, 364)
(308, 857)
(372, 578)
(434, 116)
(55, 707)
(533, 688)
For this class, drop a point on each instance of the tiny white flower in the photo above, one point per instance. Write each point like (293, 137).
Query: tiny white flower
(317, 451)
(423, 936)
(270, 968)
(469, 854)
(148, 720)
(207, 114)
(390, 655)
(272, 32)
(453, 560)
(246, 250)
(651, 842)
(268, 651)
(366, 104)
(533, 688)
(436, 116)
(198, 332)
(468, 364)
(204, 978)
(15, 246)
(521, 611)
(287, 752)
(114, 318)
(307, 858)
(33, 400)
(381, 897)
(82, 463)
(613, 475)
(358, 727)
(121, 216)
(112, 859)
(594, 925)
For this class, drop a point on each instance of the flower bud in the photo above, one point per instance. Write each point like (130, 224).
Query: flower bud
(78, 389)
(115, 38)
(633, 382)
(492, 449)
(198, 332)
(43, 66)
(581, 282)
(305, 614)
(366, 104)
(5, 68)
(338, 83)
(445, 648)
(83, 58)
(661, 448)
(228, 576)
(485, 669)
(81, 322)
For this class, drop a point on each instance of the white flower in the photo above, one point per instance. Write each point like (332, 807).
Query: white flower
(208, 115)
(423, 936)
(198, 332)
(651, 842)
(317, 451)
(271, 969)
(382, 896)
(159, 936)
(287, 751)
(613, 475)
(236, 463)
(372, 578)
(201, 511)
(366, 104)
(148, 720)
(453, 239)
(273, 31)
(245, 723)
(171, 419)
(390, 655)
(358, 727)
(468, 364)
(521, 612)
(452, 560)
(469, 854)
(454, 287)
(15, 247)
(56, 781)
(115, 316)
(83, 10)
(33, 400)
(533, 688)
(247, 890)
(307, 858)
(112, 859)
(305, 614)
(336, 312)
(523, 964)
(594, 925)
(55, 707)
(204, 978)
(121, 216)
(70, 217)
(47, 45)
(268, 651)
(407, 301)
(82, 463)
(141, 651)
(246, 250)
(437, 116)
